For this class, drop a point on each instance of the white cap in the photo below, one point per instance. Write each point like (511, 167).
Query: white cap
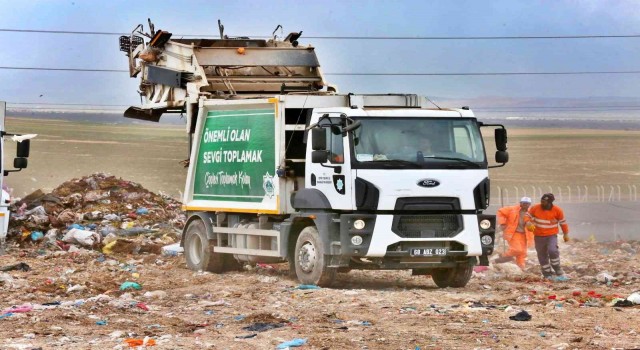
(525, 200)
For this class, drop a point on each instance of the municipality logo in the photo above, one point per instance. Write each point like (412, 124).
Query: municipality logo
(338, 183)
(267, 185)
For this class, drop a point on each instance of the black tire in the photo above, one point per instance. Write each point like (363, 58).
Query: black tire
(441, 277)
(198, 251)
(310, 261)
(456, 277)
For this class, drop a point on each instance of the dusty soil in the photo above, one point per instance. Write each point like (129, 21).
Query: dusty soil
(149, 154)
(563, 157)
(364, 310)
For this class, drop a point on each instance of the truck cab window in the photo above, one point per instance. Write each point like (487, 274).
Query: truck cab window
(336, 148)
(461, 138)
(335, 140)
(428, 142)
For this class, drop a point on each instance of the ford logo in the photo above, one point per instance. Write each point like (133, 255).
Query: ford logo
(428, 183)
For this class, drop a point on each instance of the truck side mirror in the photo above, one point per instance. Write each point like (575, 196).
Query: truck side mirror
(501, 139)
(318, 139)
(19, 162)
(502, 157)
(319, 156)
(22, 149)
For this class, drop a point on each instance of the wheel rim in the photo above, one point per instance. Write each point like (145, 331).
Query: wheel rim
(307, 257)
(195, 249)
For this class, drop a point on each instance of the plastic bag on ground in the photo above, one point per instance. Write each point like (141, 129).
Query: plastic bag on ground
(634, 298)
(172, 249)
(292, 343)
(86, 238)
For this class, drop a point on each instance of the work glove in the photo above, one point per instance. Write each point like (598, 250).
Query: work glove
(565, 237)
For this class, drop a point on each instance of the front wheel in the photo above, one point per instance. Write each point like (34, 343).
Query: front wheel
(310, 262)
(456, 277)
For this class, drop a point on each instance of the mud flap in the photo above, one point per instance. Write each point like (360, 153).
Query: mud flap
(484, 260)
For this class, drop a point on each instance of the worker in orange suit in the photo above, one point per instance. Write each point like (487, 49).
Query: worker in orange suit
(512, 221)
(546, 217)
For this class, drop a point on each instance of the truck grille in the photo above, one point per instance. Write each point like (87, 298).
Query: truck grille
(427, 226)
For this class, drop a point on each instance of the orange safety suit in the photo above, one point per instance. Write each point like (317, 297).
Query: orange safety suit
(547, 221)
(518, 241)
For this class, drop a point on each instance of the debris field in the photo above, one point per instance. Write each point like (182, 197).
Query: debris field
(91, 265)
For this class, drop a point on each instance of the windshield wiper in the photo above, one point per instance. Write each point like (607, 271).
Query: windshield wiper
(456, 159)
(398, 162)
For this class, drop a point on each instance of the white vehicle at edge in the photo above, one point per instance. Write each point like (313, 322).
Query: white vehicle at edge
(19, 163)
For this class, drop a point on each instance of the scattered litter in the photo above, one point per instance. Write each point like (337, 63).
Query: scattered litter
(130, 285)
(82, 237)
(142, 211)
(262, 326)
(16, 267)
(307, 286)
(623, 303)
(132, 342)
(172, 249)
(634, 298)
(156, 294)
(248, 336)
(605, 277)
(36, 236)
(18, 309)
(292, 343)
(521, 316)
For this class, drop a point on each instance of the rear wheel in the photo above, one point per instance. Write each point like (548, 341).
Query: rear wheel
(310, 261)
(199, 252)
(456, 277)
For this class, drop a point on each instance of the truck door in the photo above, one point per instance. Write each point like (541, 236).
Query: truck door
(332, 178)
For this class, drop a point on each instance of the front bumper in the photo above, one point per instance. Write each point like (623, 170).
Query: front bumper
(380, 240)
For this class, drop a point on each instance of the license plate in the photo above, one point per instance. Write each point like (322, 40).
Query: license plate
(428, 251)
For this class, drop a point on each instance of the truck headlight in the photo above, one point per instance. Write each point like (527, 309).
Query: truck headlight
(356, 240)
(486, 240)
(358, 224)
(485, 224)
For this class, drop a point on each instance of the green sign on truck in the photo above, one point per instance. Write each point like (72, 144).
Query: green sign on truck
(236, 156)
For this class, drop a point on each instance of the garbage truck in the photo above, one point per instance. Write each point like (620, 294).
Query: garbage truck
(284, 168)
(19, 163)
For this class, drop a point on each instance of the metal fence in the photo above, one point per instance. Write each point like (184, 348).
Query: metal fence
(567, 194)
(603, 212)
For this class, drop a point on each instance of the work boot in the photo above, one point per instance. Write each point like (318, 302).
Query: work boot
(503, 259)
(558, 270)
(547, 272)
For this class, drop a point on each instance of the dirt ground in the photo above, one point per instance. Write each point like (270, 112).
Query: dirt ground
(364, 310)
(72, 299)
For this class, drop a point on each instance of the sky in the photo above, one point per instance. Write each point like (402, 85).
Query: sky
(343, 18)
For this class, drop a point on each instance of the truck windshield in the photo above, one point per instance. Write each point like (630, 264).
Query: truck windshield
(432, 143)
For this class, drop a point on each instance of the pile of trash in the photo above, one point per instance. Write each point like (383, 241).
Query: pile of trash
(99, 211)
